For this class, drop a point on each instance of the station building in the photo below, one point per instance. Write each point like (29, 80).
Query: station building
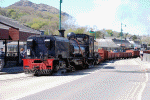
(107, 44)
(14, 34)
(112, 44)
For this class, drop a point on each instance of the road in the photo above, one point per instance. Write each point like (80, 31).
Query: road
(114, 80)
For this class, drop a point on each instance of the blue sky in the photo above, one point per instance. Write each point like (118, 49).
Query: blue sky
(104, 14)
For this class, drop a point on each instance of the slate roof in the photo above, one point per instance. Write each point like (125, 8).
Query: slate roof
(13, 23)
(106, 43)
(125, 42)
(136, 43)
(4, 27)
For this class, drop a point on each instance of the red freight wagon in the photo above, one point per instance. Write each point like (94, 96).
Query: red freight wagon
(117, 55)
(121, 55)
(147, 51)
(125, 55)
(109, 55)
(103, 53)
(134, 53)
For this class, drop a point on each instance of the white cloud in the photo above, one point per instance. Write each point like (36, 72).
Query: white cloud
(102, 15)
(109, 14)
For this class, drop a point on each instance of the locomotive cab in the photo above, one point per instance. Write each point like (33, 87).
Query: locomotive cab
(30, 43)
(47, 43)
(47, 47)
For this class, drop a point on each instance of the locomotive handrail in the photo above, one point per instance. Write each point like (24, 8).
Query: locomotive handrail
(79, 46)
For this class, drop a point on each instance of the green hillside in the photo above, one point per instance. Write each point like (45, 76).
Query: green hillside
(36, 16)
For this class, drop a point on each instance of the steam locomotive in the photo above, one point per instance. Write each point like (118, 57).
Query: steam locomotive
(47, 54)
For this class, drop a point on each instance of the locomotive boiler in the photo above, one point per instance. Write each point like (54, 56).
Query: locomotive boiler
(48, 54)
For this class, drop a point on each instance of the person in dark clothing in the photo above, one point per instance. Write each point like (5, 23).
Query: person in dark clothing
(2, 54)
(22, 55)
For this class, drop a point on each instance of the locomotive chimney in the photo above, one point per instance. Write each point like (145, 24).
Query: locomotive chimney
(61, 33)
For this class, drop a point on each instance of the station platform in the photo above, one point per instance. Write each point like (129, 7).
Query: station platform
(12, 70)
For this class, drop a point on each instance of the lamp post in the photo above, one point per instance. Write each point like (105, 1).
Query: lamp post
(60, 15)
(61, 31)
(121, 34)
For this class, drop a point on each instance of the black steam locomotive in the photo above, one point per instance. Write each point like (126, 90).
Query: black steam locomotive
(50, 54)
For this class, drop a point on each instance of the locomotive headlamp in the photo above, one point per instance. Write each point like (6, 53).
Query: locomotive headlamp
(28, 52)
(30, 42)
(47, 43)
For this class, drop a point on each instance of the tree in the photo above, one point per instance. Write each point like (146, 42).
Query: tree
(10, 12)
(35, 26)
(126, 34)
(119, 35)
(80, 30)
(99, 34)
(3, 12)
(134, 37)
(110, 32)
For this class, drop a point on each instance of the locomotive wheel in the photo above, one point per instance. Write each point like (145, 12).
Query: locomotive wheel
(86, 66)
(37, 73)
(91, 65)
(78, 67)
(73, 69)
(96, 62)
(49, 72)
(58, 70)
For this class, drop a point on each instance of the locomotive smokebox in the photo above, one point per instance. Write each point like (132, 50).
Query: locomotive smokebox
(61, 33)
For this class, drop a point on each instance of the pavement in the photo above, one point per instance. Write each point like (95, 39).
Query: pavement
(19, 69)
(12, 70)
(144, 64)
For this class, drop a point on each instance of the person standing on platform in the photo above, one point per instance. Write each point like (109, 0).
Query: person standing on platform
(2, 54)
(141, 54)
(22, 55)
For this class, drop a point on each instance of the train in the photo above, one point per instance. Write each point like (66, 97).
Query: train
(48, 54)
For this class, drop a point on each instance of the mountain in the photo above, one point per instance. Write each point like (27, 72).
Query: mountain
(36, 16)
(36, 7)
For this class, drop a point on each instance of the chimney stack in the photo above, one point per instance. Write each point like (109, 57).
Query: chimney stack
(61, 33)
